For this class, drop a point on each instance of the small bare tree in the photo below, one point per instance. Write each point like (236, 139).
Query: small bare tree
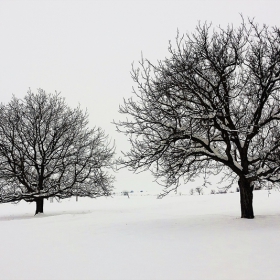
(47, 150)
(126, 193)
(214, 105)
(199, 190)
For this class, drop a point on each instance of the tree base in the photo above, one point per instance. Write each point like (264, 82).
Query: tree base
(246, 199)
(39, 205)
(246, 217)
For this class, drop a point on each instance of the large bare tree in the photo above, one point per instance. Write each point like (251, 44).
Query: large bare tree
(213, 104)
(47, 150)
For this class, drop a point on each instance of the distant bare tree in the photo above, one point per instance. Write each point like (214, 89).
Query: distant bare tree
(222, 190)
(199, 190)
(47, 150)
(213, 104)
(126, 193)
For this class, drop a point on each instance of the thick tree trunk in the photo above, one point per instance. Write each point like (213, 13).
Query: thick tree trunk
(39, 205)
(246, 199)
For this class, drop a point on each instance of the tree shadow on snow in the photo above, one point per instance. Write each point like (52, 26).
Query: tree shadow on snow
(27, 216)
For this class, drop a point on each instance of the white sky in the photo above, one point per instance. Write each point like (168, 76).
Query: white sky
(84, 49)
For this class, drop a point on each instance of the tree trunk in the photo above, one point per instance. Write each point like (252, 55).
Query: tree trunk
(246, 199)
(39, 205)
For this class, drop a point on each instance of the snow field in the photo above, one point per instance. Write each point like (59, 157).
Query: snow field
(142, 238)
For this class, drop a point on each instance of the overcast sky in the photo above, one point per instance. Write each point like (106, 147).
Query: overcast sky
(84, 49)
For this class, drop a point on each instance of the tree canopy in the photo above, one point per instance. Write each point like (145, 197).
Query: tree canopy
(47, 150)
(212, 105)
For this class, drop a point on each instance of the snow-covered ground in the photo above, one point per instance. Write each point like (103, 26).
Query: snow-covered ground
(177, 237)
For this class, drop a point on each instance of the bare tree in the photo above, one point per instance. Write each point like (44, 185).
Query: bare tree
(47, 150)
(199, 190)
(213, 104)
(126, 193)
